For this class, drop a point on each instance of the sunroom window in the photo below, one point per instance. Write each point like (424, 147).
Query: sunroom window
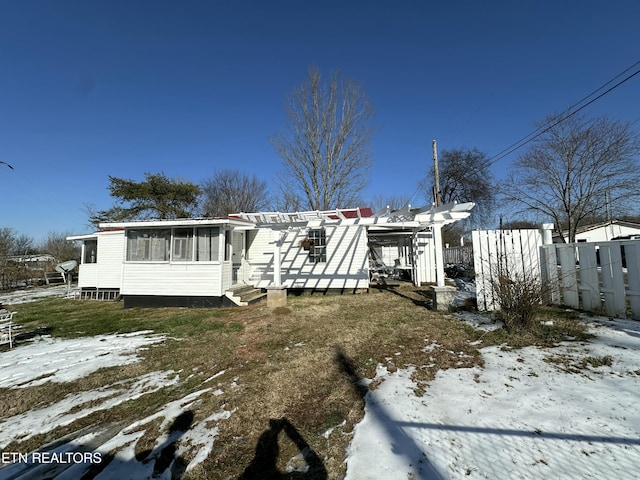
(207, 244)
(90, 251)
(182, 245)
(148, 245)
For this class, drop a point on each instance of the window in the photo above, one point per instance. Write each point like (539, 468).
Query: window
(148, 245)
(182, 245)
(185, 245)
(227, 245)
(90, 251)
(207, 245)
(318, 248)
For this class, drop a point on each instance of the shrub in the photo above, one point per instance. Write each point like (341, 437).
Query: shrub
(519, 297)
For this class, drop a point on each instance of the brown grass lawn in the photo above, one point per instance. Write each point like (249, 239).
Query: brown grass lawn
(294, 368)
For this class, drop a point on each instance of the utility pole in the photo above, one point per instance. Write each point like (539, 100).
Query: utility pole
(436, 174)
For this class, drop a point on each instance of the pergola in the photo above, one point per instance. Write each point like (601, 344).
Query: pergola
(407, 221)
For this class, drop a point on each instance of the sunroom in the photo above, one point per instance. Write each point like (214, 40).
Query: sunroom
(188, 262)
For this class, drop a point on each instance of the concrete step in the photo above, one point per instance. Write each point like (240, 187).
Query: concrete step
(255, 297)
(240, 289)
(243, 295)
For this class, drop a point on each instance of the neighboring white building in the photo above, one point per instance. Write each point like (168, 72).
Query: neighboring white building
(200, 262)
(604, 232)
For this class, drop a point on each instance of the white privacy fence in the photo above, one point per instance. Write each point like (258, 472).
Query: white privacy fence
(497, 252)
(600, 277)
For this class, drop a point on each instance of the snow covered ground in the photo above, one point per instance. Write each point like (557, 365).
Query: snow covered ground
(45, 359)
(529, 413)
(53, 360)
(517, 417)
(32, 294)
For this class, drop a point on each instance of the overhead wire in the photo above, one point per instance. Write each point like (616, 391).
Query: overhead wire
(556, 120)
(568, 112)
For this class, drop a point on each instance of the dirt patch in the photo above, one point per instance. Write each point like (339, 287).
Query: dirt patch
(296, 369)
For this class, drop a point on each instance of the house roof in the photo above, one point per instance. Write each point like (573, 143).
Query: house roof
(178, 222)
(89, 236)
(39, 257)
(595, 226)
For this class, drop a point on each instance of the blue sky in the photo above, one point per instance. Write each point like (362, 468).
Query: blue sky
(90, 89)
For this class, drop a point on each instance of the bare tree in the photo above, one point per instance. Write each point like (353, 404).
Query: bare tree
(578, 169)
(12, 243)
(326, 146)
(231, 191)
(7, 241)
(465, 177)
(287, 201)
(57, 245)
(393, 202)
(23, 245)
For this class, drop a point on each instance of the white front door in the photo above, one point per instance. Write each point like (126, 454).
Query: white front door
(237, 255)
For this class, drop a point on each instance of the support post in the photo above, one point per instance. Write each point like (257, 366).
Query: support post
(277, 293)
(547, 233)
(437, 240)
(277, 274)
(443, 297)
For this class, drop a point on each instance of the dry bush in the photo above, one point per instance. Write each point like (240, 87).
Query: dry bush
(519, 297)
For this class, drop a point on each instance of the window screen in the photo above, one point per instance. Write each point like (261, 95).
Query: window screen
(149, 245)
(90, 251)
(182, 245)
(207, 244)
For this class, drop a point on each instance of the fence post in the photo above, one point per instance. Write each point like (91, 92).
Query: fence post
(632, 257)
(612, 279)
(549, 272)
(589, 284)
(547, 233)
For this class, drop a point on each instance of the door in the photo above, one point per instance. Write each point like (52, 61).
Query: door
(237, 253)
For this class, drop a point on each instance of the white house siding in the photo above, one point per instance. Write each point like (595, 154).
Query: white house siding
(172, 279)
(399, 254)
(425, 258)
(88, 275)
(606, 233)
(259, 257)
(346, 267)
(106, 273)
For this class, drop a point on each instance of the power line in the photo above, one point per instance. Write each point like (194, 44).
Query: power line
(568, 112)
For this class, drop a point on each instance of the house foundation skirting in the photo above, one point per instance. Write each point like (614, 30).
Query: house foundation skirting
(99, 293)
(155, 301)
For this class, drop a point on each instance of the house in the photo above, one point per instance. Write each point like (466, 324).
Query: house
(201, 262)
(606, 231)
(32, 262)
